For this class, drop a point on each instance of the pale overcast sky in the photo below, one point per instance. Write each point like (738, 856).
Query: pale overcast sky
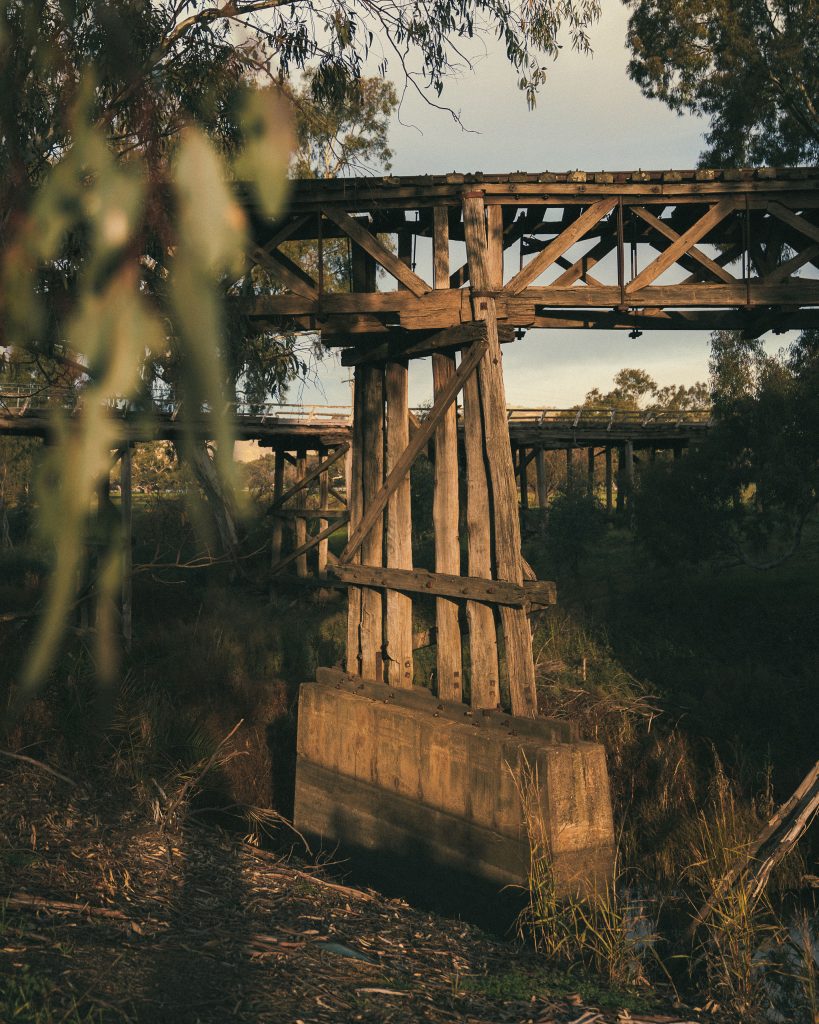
(589, 116)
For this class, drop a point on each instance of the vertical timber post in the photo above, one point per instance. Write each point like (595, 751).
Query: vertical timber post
(483, 643)
(629, 472)
(324, 501)
(590, 471)
(621, 479)
(569, 469)
(398, 609)
(524, 479)
(299, 522)
(372, 548)
(445, 496)
(540, 464)
(484, 248)
(609, 482)
(355, 506)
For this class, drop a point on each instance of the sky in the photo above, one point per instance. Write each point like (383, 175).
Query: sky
(589, 116)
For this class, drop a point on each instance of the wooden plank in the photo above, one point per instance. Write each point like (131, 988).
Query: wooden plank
(517, 633)
(308, 478)
(372, 540)
(673, 236)
(467, 588)
(565, 240)
(355, 506)
(398, 610)
(300, 523)
(324, 497)
(718, 212)
(305, 513)
(376, 504)
(388, 260)
(312, 542)
(448, 650)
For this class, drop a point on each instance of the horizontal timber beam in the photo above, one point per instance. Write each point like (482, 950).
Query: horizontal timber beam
(471, 588)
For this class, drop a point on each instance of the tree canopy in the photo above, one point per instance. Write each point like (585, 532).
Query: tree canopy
(636, 389)
(749, 66)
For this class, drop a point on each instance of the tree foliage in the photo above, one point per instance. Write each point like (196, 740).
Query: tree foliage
(747, 491)
(636, 389)
(749, 66)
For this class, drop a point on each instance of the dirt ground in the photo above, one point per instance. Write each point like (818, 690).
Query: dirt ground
(109, 916)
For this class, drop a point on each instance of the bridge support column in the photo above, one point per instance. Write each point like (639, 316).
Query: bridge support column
(609, 482)
(590, 470)
(569, 469)
(540, 464)
(628, 453)
(621, 479)
(523, 472)
(300, 522)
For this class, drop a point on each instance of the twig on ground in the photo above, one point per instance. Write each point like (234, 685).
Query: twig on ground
(38, 764)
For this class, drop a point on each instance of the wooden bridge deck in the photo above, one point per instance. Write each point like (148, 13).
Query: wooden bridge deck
(25, 411)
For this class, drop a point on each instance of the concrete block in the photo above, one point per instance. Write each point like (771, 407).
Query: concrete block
(403, 777)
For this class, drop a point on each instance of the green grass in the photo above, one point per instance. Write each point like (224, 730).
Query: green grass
(517, 985)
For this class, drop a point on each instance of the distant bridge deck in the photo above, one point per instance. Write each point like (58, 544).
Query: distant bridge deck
(29, 412)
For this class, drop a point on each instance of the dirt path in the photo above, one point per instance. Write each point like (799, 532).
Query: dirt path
(108, 918)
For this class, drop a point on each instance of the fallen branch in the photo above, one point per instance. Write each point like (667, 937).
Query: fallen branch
(22, 901)
(38, 764)
(194, 780)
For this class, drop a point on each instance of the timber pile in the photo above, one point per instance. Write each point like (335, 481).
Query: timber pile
(129, 922)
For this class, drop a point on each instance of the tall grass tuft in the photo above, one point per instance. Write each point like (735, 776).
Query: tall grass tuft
(736, 943)
(596, 929)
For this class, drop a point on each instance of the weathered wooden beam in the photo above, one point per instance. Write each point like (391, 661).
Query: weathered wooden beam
(324, 497)
(375, 505)
(312, 542)
(484, 272)
(380, 253)
(540, 463)
(673, 236)
(448, 652)
(718, 212)
(565, 240)
(398, 610)
(408, 346)
(308, 478)
(467, 588)
(372, 541)
(288, 272)
(299, 522)
(355, 506)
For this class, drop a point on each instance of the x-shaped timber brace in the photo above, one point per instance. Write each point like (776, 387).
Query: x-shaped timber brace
(761, 229)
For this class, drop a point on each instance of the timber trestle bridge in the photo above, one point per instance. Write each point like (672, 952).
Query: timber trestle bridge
(454, 267)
